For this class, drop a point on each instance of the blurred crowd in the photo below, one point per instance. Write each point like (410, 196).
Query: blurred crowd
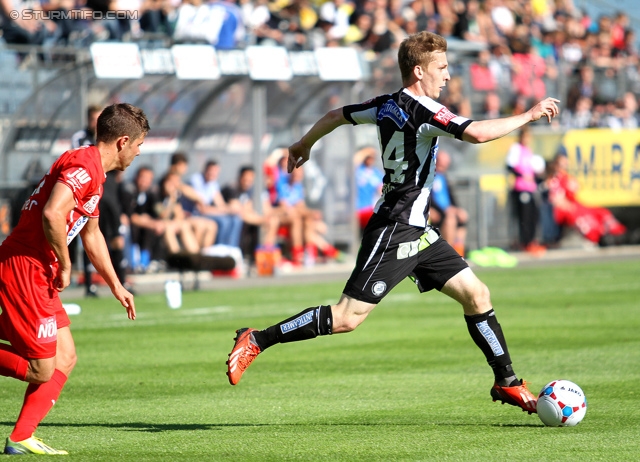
(530, 48)
(181, 214)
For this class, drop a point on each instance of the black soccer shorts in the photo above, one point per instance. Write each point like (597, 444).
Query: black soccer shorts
(391, 251)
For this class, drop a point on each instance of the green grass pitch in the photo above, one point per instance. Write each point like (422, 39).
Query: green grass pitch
(407, 385)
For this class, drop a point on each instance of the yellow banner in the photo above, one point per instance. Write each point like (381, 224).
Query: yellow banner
(606, 164)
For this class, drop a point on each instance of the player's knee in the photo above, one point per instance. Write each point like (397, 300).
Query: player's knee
(481, 297)
(65, 362)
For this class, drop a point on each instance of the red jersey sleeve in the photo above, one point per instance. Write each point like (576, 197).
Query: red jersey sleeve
(83, 174)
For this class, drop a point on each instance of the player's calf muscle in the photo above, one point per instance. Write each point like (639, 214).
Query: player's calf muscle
(40, 370)
(349, 313)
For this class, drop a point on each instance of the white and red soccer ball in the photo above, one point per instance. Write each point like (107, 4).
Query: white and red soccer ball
(561, 403)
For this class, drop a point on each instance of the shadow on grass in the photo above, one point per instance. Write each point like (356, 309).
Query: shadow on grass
(158, 428)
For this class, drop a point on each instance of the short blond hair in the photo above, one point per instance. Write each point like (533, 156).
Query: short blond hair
(417, 50)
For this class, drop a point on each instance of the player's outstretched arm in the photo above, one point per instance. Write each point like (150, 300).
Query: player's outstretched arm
(481, 131)
(300, 150)
(98, 253)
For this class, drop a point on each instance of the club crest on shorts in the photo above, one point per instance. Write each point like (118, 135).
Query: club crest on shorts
(378, 288)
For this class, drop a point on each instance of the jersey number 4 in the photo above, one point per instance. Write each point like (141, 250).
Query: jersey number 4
(395, 148)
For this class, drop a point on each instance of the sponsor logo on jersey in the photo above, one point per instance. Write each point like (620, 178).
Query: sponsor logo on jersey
(77, 226)
(78, 178)
(91, 205)
(444, 116)
(391, 110)
(490, 337)
(378, 288)
(302, 320)
(47, 329)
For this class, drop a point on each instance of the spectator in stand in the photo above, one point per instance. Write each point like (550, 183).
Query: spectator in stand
(291, 221)
(216, 22)
(596, 224)
(232, 30)
(500, 65)
(630, 51)
(551, 231)
(581, 117)
(359, 30)
(108, 28)
(569, 47)
(628, 111)
(368, 183)
(256, 16)
(87, 136)
(502, 17)
(195, 233)
(140, 199)
(337, 13)
(526, 167)
(294, 20)
(155, 16)
(385, 34)
(70, 31)
(22, 31)
(472, 23)
(454, 98)
(528, 70)
(584, 87)
(291, 195)
(482, 79)
(444, 212)
(240, 197)
(492, 106)
(416, 15)
(214, 207)
(618, 28)
(190, 198)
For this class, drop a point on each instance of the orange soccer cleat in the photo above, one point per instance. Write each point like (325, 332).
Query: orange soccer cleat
(518, 395)
(244, 352)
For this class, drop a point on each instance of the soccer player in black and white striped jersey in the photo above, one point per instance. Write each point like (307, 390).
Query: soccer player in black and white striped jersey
(398, 241)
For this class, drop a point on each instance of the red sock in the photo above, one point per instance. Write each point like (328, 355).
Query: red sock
(297, 254)
(11, 363)
(38, 401)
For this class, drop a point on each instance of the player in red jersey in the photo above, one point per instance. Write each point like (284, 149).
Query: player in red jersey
(35, 266)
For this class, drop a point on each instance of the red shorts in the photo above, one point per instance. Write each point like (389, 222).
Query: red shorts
(31, 309)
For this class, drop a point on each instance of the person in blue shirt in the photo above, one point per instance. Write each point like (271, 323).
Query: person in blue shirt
(291, 196)
(368, 184)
